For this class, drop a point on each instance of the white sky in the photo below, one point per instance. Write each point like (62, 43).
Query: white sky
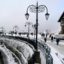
(12, 12)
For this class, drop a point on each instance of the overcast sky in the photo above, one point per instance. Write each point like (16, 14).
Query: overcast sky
(12, 12)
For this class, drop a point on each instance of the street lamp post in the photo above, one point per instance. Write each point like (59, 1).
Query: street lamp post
(15, 29)
(28, 24)
(2, 30)
(37, 9)
(34, 27)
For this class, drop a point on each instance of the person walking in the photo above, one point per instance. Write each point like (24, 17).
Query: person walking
(57, 41)
(45, 39)
(51, 38)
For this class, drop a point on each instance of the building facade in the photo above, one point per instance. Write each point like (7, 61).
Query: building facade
(61, 20)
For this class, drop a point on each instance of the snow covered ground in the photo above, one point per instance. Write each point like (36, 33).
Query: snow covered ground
(27, 51)
(58, 58)
(57, 52)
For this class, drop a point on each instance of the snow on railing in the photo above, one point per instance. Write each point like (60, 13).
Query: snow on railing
(22, 48)
(9, 58)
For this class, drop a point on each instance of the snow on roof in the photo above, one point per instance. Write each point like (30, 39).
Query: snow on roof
(62, 17)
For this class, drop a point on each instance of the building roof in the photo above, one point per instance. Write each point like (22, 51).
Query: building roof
(62, 17)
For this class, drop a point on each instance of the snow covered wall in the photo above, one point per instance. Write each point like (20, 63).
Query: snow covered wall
(20, 48)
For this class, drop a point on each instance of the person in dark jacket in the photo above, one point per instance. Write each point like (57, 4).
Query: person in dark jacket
(45, 39)
(57, 41)
(51, 38)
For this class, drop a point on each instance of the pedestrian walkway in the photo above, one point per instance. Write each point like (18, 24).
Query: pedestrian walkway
(57, 51)
(59, 48)
(57, 57)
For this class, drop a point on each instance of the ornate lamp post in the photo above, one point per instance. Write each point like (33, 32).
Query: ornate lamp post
(37, 9)
(34, 27)
(15, 28)
(28, 24)
(2, 30)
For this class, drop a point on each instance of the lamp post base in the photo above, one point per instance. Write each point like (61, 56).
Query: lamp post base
(35, 59)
